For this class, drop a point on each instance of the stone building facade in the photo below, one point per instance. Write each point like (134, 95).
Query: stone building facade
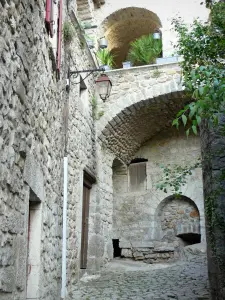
(34, 110)
(150, 220)
(41, 123)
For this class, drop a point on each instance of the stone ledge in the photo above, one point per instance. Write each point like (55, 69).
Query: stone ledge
(136, 244)
(151, 67)
(33, 176)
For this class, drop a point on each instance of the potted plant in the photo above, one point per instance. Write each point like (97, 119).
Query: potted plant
(106, 58)
(127, 64)
(166, 60)
(145, 50)
(90, 41)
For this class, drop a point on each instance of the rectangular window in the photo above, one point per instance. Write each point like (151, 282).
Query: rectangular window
(137, 176)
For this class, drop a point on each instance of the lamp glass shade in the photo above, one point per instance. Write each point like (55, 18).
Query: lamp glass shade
(156, 36)
(103, 86)
(103, 43)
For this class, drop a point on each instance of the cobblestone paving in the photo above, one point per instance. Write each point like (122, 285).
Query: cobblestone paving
(122, 280)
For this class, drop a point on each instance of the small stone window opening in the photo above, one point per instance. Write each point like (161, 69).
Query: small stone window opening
(83, 86)
(116, 249)
(137, 175)
(83, 95)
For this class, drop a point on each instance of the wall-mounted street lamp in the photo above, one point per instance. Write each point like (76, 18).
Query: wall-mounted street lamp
(103, 83)
(104, 86)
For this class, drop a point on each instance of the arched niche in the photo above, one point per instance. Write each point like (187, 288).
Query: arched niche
(124, 26)
(177, 216)
(119, 176)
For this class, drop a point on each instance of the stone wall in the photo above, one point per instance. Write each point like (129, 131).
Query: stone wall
(100, 242)
(179, 217)
(33, 122)
(34, 106)
(212, 146)
(31, 148)
(139, 217)
(130, 86)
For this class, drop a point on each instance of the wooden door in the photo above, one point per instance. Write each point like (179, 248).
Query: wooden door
(85, 219)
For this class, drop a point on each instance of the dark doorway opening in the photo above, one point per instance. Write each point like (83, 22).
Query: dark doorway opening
(116, 248)
(190, 238)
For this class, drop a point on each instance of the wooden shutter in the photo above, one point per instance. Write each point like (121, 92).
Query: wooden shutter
(59, 40)
(49, 17)
(137, 176)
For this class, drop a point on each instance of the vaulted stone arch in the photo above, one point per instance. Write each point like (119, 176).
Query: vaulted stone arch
(139, 122)
(140, 107)
(124, 26)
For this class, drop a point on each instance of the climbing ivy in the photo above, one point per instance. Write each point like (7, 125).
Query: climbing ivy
(175, 176)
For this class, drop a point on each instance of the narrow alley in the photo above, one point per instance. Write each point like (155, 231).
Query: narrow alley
(130, 280)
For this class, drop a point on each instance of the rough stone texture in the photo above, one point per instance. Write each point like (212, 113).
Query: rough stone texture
(34, 177)
(156, 252)
(179, 216)
(212, 143)
(146, 98)
(149, 214)
(100, 221)
(32, 147)
(31, 119)
(126, 280)
(34, 107)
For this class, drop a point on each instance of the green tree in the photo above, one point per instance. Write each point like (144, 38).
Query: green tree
(202, 47)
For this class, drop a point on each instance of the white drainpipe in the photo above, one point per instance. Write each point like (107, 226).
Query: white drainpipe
(64, 237)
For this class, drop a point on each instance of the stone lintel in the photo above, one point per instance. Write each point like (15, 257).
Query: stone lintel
(33, 176)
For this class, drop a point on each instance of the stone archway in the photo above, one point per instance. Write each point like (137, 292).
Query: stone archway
(136, 124)
(141, 93)
(124, 26)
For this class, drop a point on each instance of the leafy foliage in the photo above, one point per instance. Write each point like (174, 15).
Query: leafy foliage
(203, 49)
(106, 57)
(175, 176)
(144, 50)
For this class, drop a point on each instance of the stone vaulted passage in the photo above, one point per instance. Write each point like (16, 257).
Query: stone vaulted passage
(158, 238)
(137, 123)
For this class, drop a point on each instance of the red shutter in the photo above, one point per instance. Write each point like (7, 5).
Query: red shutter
(49, 17)
(59, 39)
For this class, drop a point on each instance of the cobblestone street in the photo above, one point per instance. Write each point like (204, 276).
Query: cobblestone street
(124, 279)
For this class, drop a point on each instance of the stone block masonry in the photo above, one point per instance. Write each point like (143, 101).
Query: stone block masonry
(31, 148)
(32, 144)
(145, 214)
(34, 108)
